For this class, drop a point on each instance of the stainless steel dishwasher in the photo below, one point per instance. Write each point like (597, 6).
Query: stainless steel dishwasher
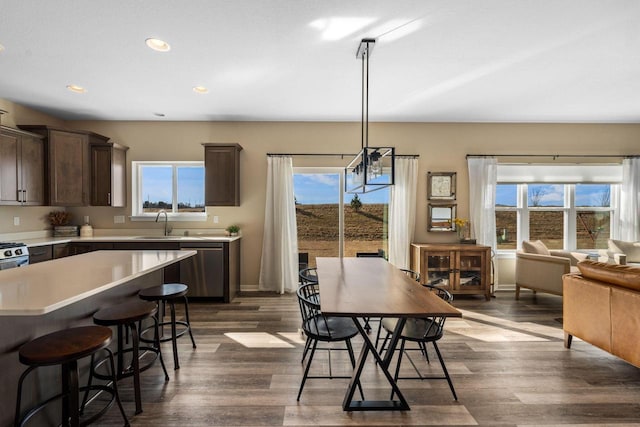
(204, 272)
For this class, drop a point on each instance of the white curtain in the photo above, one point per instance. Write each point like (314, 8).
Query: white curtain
(402, 211)
(626, 221)
(483, 175)
(279, 264)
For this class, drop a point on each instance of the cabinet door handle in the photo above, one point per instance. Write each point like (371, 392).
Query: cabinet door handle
(108, 198)
(24, 196)
(20, 196)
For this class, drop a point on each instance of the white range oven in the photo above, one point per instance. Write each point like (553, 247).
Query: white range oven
(13, 255)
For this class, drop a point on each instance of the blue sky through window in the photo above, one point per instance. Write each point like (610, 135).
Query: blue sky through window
(157, 184)
(553, 195)
(324, 188)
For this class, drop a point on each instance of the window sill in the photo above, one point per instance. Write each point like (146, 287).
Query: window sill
(170, 217)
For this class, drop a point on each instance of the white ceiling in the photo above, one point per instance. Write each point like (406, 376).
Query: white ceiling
(468, 61)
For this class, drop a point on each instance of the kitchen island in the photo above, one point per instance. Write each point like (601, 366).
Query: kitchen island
(62, 293)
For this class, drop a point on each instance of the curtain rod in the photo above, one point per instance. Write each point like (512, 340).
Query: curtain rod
(412, 156)
(555, 156)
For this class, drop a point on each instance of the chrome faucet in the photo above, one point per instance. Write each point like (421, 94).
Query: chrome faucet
(167, 230)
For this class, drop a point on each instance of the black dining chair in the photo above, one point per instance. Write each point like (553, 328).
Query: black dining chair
(308, 275)
(415, 276)
(318, 327)
(421, 331)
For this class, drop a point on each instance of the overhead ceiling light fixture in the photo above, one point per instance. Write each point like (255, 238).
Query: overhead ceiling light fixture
(200, 89)
(1, 48)
(158, 45)
(76, 89)
(374, 167)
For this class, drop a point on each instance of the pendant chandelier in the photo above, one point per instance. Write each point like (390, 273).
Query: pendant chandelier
(373, 168)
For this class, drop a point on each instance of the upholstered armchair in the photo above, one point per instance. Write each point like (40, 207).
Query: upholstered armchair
(541, 269)
(621, 252)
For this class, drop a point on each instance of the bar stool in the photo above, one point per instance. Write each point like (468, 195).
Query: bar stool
(65, 348)
(125, 316)
(169, 293)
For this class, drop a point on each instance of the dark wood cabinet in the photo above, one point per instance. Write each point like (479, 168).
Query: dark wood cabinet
(40, 253)
(108, 174)
(67, 164)
(60, 250)
(21, 168)
(222, 174)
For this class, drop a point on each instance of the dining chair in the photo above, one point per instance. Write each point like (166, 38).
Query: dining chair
(318, 327)
(421, 331)
(412, 274)
(308, 275)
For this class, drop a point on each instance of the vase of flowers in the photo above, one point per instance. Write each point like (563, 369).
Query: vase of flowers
(462, 228)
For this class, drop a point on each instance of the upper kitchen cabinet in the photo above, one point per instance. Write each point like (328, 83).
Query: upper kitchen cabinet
(222, 174)
(108, 174)
(21, 168)
(67, 164)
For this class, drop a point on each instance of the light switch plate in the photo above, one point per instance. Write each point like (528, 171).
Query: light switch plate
(118, 219)
(16, 220)
(216, 219)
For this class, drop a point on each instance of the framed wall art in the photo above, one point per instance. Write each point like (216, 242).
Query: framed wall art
(441, 185)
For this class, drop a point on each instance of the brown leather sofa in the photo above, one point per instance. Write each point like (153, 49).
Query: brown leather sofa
(601, 305)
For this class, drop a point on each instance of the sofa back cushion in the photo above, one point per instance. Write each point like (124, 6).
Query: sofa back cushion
(625, 276)
(630, 249)
(536, 247)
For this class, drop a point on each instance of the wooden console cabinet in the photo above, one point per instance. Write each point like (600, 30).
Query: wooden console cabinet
(458, 268)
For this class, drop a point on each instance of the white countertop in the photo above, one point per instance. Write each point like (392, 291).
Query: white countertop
(47, 286)
(49, 240)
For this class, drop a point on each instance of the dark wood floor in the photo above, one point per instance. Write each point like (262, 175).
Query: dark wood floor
(506, 359)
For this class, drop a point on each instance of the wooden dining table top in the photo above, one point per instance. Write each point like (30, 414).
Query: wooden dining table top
(354, 287)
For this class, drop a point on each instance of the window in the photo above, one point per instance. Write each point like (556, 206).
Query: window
(176, 187)
(331, 222)
(563, 216)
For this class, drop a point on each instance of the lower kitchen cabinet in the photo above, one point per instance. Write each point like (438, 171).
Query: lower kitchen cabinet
(48, 252)
(458, 268)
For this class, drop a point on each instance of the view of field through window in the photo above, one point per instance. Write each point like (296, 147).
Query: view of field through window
(317, 198)
(546, 205)
(158, 193)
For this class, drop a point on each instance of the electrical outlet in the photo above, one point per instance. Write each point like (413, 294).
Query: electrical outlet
(16, 220)
(216, 219)
(118, 219)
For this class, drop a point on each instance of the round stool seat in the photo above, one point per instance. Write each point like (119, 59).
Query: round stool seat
(164, 292)
(65, 346)
(128, 312)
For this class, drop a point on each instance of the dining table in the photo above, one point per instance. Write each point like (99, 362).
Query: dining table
(368, 288)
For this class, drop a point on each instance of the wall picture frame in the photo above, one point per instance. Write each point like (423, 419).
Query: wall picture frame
(441, 185)
(441, 217)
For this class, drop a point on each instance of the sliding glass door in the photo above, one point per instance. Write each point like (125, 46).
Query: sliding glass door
(332, 223)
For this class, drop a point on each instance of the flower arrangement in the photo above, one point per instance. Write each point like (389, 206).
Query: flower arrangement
(460, 222)
(461, 226)
(59, 218)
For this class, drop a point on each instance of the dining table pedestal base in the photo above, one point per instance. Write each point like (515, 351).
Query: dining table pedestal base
(400, 404)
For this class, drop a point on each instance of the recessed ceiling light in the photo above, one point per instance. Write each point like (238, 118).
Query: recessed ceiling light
(158, 114)
(76, 88)
(1, 48)
(200, 89)
(157, 44)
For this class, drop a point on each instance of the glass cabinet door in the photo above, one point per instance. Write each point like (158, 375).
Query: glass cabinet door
(470, 265)
(439, 268)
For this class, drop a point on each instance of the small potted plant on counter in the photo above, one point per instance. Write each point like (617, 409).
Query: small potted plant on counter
(60, 220)
(232, 230)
